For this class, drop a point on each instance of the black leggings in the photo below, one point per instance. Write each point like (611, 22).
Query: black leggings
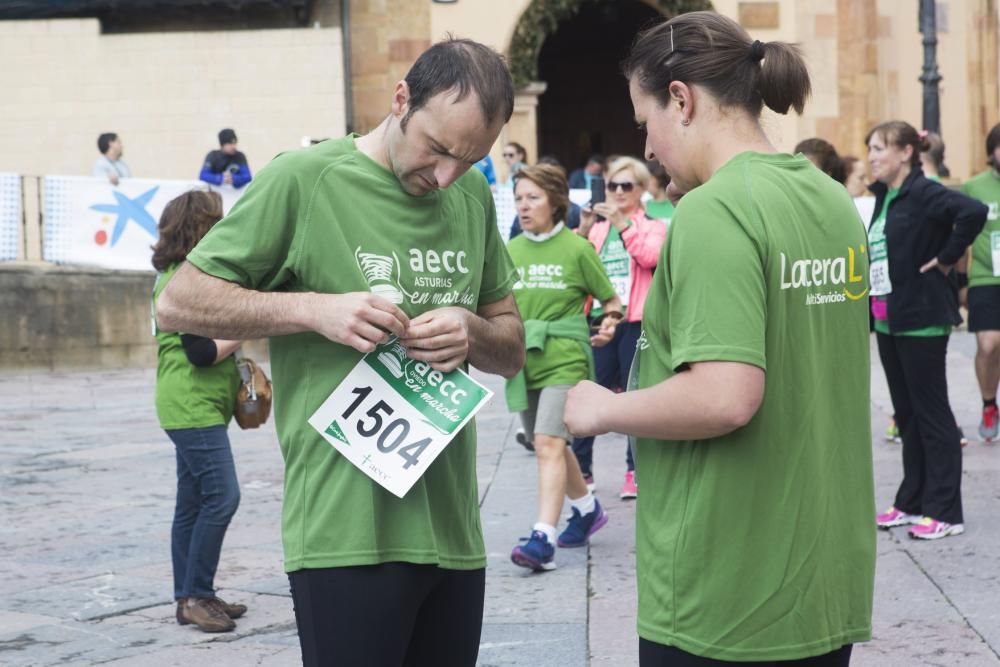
(652, 654)
(389, 615)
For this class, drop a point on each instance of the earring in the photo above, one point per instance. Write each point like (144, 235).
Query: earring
(686, 122)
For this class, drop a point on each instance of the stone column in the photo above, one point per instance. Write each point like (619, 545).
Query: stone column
(522, 128)
(857, 76)
(386, 37)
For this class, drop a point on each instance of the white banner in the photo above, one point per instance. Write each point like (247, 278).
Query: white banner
(88, 221)
(10, 216)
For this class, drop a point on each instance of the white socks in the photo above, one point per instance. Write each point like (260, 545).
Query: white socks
(586, 504)
(548, 529)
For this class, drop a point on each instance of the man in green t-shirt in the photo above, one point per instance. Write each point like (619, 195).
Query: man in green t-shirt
(330, 251)
(983, 298)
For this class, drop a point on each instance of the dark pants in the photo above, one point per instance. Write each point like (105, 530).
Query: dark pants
(932, 453)
(652, 654)
(389, 615)
(611, 366)
(207, 497)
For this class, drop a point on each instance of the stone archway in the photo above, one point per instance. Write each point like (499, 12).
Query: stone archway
(564, 56)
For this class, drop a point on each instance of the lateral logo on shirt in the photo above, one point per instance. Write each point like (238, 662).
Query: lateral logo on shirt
(432, 274)
(839, 275)
(540, 276)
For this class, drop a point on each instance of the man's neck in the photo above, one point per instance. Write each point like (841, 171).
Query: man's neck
(373, 144)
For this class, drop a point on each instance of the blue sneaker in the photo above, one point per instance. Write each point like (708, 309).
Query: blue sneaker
(582, 526)
(536, 554)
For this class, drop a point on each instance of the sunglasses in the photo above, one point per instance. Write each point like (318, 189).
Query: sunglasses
(624, 187)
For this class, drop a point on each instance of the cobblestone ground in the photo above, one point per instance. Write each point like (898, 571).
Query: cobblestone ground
(86, 495)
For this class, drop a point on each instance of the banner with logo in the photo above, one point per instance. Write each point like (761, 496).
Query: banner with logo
(10, 216)
(90, 222)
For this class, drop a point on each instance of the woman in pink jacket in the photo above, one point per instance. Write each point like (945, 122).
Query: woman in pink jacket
(629, 245)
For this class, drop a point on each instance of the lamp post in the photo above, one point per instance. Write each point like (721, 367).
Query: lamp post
(930, 76)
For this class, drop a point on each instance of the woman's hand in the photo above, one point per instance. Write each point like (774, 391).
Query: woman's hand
(935, 264)
(583, 407)
(611, 212)
(587, 219)
(605, 333)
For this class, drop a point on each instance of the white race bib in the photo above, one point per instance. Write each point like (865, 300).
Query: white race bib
(879, 277)
(391, 416)
(995, 248)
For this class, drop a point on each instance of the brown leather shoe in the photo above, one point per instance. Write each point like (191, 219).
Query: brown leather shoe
(206, 614)
(231, 610)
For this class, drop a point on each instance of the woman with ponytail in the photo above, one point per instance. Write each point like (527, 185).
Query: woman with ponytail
(749, 397)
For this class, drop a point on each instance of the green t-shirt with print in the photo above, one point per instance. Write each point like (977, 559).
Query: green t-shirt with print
(618, 265)
(986, 188)
(555, 277)
(328, 219)
(189, 396)
(759, 545)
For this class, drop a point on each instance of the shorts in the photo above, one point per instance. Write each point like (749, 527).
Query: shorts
(545, 412)
(984, 308)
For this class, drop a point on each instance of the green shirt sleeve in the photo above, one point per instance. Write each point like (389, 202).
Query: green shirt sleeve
(254, 245)
(595, 278)
(717, 288)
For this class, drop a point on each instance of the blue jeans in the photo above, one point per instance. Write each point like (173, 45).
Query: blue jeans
(207, 497)
(611, 366)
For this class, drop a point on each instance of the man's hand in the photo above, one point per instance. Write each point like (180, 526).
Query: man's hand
(439, 337)
(360, 320)
(227, 178)
(113, 178)
(583, 407)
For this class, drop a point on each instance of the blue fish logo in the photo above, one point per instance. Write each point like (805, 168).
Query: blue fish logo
(130, 209)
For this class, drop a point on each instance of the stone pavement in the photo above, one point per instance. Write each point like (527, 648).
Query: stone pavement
(86, 495)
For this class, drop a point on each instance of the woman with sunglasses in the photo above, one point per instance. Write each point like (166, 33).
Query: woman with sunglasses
(629, 244)
(516, 157)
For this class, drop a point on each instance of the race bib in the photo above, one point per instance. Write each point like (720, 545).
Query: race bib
(618, 265)
(391, 416)
(879, 277)
(995, 248)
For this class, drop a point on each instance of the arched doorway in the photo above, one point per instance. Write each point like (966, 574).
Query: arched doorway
(586, 109)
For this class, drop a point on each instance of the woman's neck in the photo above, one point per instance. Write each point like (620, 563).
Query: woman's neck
(734, 133)
(901, 175)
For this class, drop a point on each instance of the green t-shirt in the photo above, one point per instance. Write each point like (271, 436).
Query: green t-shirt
(660, 210)
(985, 270)
(189, 396)
(878, 253)
(328, 219)
(618, 265)
(759, 545)
(555, 277)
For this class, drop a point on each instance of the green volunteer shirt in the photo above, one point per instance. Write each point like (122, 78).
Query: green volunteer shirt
(660, 210)
(555, 277)
(328, 219)
(759, 545)
(618, 265)
(985, 270)
(189, 396)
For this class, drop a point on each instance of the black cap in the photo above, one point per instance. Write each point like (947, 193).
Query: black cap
(227, 136)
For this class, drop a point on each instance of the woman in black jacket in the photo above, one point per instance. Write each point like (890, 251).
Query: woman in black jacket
(919, 229)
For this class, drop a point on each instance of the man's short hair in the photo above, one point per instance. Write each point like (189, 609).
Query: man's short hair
(467, 67)
(104, 141)
(227, 136)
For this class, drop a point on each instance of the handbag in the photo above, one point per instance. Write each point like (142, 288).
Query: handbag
(253, 399)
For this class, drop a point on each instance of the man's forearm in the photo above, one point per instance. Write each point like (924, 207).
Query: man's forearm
(496, 345)
(194, 302)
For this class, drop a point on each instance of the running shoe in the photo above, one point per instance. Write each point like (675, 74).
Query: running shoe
(589, 479)
(931, 529)
(629, 489)
(892, 432)
(582, 526)
(535, 554)
(988, 426)
(893, 517)
(522, 439)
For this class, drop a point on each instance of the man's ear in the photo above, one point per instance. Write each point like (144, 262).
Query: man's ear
(400, 99)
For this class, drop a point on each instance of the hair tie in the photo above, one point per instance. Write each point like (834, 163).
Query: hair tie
(757, 51)
(923, 134)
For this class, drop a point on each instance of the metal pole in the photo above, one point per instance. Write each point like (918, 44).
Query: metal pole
(930, 76)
